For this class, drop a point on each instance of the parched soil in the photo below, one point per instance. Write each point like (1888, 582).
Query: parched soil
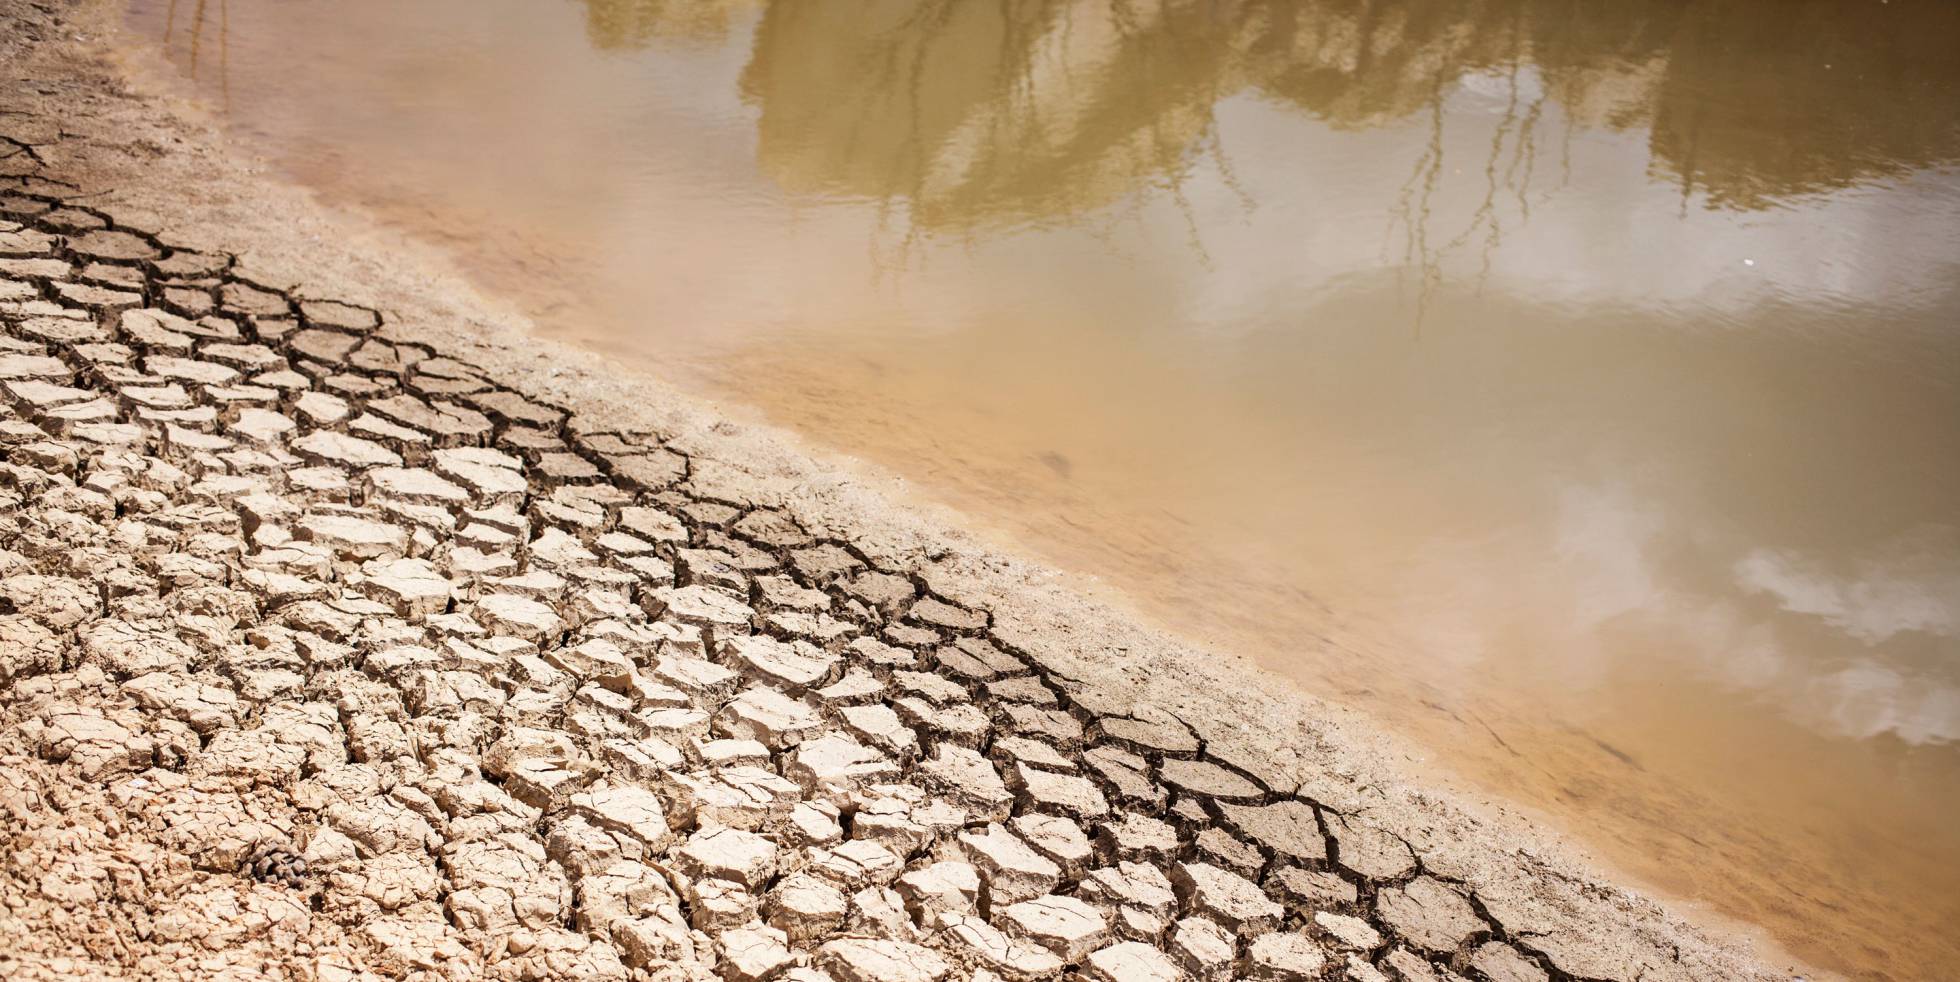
(333, 647)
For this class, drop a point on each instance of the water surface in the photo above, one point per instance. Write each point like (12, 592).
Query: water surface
(1575, 387)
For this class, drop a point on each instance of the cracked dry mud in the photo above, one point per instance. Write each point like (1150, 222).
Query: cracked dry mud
(329, 652)
(365, 663)
(326, 654)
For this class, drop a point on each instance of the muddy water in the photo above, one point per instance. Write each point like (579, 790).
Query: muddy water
(1574, 387)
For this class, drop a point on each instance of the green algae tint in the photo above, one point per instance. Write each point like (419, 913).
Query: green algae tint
(1575, 388)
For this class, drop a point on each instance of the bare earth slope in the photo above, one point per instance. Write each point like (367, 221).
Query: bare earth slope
(345, 632)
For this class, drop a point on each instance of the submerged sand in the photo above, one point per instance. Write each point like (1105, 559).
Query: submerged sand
(351, 631)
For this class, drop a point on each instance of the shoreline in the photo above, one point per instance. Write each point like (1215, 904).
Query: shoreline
(191, 193)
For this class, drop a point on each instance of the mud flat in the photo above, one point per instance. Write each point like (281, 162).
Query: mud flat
(348, 632)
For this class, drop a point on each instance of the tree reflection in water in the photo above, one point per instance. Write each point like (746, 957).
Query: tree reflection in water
(1024, 110)
(966, 119)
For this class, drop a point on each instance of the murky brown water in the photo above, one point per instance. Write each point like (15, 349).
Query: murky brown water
(1574, 386)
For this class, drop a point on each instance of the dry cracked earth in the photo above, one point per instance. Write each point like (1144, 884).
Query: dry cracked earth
(326, 656)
